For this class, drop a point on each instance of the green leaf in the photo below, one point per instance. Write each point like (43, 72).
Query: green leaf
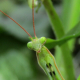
(39, 5)
(75, 32)
(78, 78)
(30, 3)
(72, 12)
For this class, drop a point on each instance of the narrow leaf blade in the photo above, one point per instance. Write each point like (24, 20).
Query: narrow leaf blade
(75, 32)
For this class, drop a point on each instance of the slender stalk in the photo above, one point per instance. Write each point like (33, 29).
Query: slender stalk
(54, 19)
(59, 32)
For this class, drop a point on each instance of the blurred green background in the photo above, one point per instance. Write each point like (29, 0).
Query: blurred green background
(17, 62)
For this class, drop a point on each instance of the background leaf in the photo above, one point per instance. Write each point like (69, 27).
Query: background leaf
(75, 32)
(78, 78)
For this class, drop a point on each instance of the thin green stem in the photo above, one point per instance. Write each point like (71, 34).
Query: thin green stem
(54, 19)
(59, 32)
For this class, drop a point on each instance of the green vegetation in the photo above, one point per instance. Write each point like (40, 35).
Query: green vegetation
(19, 63)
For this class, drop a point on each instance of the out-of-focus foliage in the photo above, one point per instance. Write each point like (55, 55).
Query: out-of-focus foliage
(73, 33)
(16, 61)
(23, 15)
(35, 3)
(78, 78)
